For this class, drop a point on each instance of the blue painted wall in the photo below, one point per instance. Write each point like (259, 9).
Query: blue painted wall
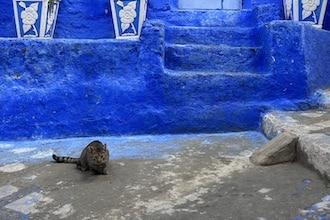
(85, 83)
(76, 19)
(92, 19)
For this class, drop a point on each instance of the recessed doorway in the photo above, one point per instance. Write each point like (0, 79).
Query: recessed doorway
(210, 4)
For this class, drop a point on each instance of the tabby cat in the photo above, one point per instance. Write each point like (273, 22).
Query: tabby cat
(94, 157)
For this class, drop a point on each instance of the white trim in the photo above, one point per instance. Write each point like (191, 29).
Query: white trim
(114, 17)
(18, 29)
(55, 19)
(43, 19)
(142, 15)
(322, 13)
(295, 8)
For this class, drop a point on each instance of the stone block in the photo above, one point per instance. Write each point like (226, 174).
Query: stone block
(280, 149)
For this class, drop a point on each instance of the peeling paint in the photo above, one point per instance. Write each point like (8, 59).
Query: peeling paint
(312, 114)
(7, 190)
(318, 126)
(246, 153)
(320, 210)
(14, 167)
(23, 150)
(3, 145)
(31, 177)
(265, 190)
(182, 191)
(65, 211)
(43, 154)
(28, 203)
(267, 198)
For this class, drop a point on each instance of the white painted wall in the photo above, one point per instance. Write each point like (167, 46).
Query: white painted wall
(210, 4)
(232, 4)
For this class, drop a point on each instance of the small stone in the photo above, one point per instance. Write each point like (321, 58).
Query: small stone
(280, 149)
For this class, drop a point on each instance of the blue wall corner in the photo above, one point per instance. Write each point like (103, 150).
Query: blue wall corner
(317, 50)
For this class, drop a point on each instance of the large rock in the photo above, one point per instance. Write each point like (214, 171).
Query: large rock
(280, 149)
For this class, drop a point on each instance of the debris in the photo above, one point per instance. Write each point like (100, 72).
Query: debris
(280, 149)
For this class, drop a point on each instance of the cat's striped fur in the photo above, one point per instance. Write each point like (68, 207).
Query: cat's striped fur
(94, 157)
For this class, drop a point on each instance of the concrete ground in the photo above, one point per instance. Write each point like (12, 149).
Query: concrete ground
(205, 176)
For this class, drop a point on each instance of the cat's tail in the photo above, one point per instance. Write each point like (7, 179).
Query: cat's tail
(65, 159)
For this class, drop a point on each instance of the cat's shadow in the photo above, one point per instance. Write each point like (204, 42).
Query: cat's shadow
(87, 177)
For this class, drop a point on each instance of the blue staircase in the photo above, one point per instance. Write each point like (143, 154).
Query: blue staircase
(216, 71)
(219, 43)
(216, 57)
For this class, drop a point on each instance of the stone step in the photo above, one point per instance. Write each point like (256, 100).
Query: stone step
(233, 36)
(313, 129)
(199, 57)
(207, 18)
(214, 87)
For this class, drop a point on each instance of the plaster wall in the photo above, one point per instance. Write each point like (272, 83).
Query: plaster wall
(80, 87)
(83, 83)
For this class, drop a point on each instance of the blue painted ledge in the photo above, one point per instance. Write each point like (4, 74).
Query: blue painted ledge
(131, 147)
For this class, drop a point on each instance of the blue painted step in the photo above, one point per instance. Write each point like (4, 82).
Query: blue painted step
(199, 57)
(211, 88)
(233, 36)
(207, 18)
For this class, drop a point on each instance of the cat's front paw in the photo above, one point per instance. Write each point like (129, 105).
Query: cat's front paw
(82, 168)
